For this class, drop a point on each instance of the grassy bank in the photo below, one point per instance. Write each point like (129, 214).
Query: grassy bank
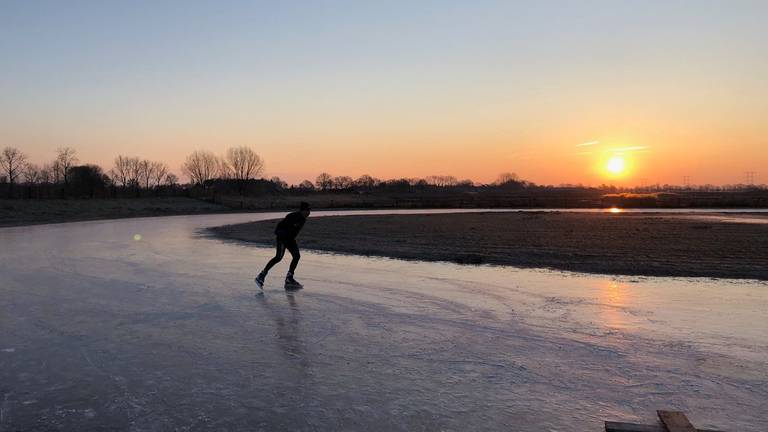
(30, 212)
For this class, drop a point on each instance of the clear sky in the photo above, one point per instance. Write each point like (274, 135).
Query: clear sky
(396, 88)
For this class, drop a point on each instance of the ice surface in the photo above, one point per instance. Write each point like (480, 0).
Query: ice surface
(146, 324)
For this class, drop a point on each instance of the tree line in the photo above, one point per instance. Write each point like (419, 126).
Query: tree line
(238, 171)
(65, 177)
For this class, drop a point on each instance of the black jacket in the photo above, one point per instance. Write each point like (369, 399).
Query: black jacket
(290, 226)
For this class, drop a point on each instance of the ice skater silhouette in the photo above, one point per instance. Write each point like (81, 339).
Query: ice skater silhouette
(285, 233)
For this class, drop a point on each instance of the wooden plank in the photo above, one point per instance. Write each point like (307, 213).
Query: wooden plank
(632, 427)
(635, 427)
(675, 421)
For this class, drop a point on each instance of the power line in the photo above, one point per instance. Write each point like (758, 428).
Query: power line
(749, 177)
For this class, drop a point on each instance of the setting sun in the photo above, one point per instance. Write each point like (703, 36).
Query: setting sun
(616, 165)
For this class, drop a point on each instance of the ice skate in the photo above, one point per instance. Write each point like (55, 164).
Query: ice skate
(292, 284)
(260, 280)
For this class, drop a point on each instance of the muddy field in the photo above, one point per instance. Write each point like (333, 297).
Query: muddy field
(629, 244)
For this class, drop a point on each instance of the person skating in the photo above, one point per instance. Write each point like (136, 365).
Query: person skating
(285, 234)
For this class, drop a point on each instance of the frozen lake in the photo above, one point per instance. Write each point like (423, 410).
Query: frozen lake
(145, 324)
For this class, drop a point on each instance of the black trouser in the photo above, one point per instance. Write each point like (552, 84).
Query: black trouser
(283, 243)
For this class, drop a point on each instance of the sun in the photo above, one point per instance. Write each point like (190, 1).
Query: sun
(616, 165)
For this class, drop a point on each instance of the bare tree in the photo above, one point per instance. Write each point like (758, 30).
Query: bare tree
(145, 173)
(324, 181)
(306, 185)
(343, 182)
(12, 162)
(201, 166)
(442, 181)
(46, 174)
(31, 173)
(119, 172)
(506, 177)
(280, 183)
(151, 174)
(66, 159)
(171, 179)
(366, 182)
(244, 163)
(57, 173)
(159, 171)
(126, 172)
(223, 170)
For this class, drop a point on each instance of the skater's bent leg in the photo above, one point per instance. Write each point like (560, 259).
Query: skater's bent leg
(293, 248)
(279, 253)
(294, 261)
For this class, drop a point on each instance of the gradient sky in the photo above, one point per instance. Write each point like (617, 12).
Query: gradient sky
(396, 88)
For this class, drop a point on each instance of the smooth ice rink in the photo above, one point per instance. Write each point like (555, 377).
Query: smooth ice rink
(149, 325)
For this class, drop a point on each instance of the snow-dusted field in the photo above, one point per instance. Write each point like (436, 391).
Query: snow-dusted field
(145, 324)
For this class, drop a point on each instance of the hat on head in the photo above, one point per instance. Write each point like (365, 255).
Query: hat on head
(304, 206)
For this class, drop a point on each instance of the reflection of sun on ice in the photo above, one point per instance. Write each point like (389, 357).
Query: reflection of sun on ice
(613, 294)
(616, 165)
(613, 301)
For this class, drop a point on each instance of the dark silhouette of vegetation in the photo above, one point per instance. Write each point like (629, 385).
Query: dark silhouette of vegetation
(235, 181)
(65, 159)
(12, 162)
(87, 181)
(63, 178)
(202, 166)
(324, 181)
(243, 164)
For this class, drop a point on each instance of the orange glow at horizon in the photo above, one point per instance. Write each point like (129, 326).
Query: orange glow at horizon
(298, 155)
(551, 104)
